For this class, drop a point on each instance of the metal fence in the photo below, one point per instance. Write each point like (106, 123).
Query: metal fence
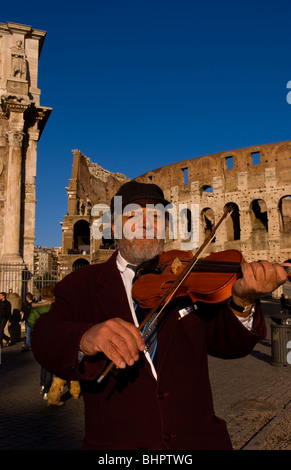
(20, 279)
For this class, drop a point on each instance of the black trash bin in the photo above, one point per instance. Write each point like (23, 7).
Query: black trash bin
(281, 339)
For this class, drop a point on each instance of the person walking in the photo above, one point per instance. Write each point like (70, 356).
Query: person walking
(26, 309)
(5, 316)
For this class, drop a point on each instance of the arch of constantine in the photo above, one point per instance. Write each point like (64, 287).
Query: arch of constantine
(22, 121)
(255, 180)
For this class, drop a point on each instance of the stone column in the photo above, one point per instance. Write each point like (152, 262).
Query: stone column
(13, 199)
(30, 198)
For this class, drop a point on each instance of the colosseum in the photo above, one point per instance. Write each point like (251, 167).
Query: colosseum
(254, 180)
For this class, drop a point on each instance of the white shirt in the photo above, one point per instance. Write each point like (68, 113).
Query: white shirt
(127, 275)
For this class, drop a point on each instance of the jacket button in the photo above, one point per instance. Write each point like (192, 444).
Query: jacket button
(167, 437)
(160, 395)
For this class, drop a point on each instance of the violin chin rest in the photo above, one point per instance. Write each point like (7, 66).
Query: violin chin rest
(147, 267)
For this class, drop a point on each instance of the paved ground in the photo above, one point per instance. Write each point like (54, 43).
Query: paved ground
(254, 396)
(251, 394)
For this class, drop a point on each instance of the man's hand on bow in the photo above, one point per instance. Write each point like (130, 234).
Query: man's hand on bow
(119, 340)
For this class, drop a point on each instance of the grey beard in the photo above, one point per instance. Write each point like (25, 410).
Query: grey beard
(139, 256)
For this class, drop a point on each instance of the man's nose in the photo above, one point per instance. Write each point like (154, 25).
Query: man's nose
(147, 220)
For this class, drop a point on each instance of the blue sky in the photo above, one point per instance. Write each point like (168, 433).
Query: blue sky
(135, 85)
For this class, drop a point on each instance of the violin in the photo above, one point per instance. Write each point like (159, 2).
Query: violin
(177, 273)
(220, 271)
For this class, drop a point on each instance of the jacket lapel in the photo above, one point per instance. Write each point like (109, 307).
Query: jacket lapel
(167, 327)
(111, 292)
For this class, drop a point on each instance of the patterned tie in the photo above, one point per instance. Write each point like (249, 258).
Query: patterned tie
(149, 331)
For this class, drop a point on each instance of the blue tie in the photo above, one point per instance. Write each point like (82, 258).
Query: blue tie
(149, 330)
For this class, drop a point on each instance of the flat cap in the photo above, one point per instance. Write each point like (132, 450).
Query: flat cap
(134, 191)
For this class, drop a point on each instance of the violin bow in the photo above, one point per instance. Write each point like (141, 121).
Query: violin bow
(176, 284)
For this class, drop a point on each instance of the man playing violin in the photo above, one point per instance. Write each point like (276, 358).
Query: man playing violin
(158, 395)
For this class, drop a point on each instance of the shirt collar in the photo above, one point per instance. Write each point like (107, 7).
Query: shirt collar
(122, 264)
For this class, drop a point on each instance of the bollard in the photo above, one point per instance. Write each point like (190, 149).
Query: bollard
(280, 340)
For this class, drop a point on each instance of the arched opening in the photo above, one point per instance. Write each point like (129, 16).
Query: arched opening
(206, 188)
(259, 222)
(285, 222)
(259, 215)
(185, 223)
(82, 237)
(208, 222)
(233, 223)
(79, 263)
(285, 214)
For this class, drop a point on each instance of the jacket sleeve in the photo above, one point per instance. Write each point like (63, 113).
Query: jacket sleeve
(57, 334)
(33, 316)
(9, 311)
(228, 338)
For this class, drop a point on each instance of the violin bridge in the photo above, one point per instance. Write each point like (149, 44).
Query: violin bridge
(176, 266)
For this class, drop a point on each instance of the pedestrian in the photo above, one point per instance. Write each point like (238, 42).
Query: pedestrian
(37, 310)
(160, 402)
(14, 326)
(5, 316)
(285, 306)
(26, 309)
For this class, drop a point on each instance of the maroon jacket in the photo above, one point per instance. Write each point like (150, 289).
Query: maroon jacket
(134, 411)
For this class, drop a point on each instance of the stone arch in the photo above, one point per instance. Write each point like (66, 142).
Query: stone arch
(185, 223)
(285, 221)
(233, 223)
(81, 238)
(259, 215)
(259, 224)
(208, 222)
(206, 188)
(79, 263)
(285, 213)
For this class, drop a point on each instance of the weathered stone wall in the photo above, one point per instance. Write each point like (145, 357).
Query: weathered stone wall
(22, 121)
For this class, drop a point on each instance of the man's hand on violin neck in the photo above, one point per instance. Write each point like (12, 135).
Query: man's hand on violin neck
(119, 340)
(258, 279)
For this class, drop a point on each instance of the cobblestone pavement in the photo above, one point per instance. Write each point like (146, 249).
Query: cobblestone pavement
(252, 395)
